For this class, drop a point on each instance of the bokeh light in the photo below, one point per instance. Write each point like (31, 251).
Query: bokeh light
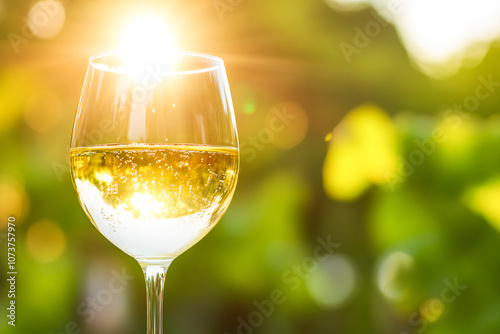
(46, 18)
(288, 123)
(441, 36)
(334, 282)
(111, 293)
(458, 136)
(432, 309)
(483, 199)
(249, 107)
(46, 241)
(13, 200)
(244, 99)
(362, 151)
(392, 273)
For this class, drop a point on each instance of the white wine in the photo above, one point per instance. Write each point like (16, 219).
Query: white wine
(154, 201)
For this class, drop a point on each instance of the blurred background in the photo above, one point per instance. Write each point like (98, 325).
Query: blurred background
(369, 129)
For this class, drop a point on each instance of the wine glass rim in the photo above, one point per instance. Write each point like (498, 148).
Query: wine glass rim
(120, 69)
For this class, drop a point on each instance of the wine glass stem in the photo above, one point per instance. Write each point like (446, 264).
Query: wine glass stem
(155, 281)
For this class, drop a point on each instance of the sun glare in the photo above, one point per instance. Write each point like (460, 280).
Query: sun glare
(147, 39)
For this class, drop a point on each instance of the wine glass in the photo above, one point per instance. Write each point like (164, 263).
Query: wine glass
(154, 156)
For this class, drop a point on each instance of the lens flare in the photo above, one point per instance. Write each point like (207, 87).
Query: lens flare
(147, 40)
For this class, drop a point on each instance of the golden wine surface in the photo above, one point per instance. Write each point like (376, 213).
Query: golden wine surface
(154, 201)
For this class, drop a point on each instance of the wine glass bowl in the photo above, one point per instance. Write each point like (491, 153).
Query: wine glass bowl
(154, 201)
(154, 156)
